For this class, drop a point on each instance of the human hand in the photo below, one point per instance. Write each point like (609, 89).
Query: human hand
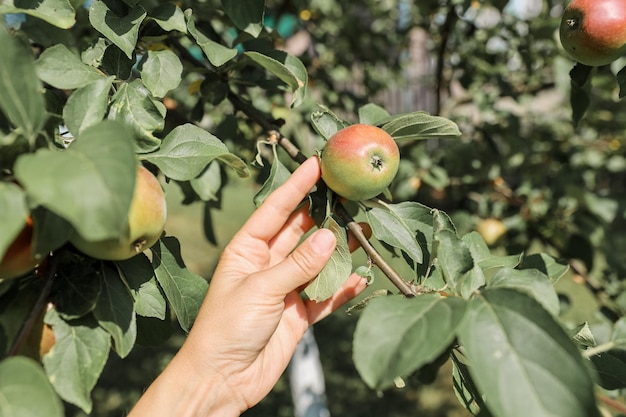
(253, 315)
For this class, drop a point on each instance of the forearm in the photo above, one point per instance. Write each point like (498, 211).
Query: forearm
(181, 392)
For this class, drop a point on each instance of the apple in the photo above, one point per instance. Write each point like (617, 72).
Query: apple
(146, 221)
(593, 32)
(491, 230)
(359, 161)
(19, 258)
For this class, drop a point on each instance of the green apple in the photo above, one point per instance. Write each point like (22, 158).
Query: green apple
(359, 162)
(593, 32)
(146, 221)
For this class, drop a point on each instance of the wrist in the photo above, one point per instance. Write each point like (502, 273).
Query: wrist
(181, 391)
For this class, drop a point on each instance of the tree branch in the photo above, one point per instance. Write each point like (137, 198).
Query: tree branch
(271, 127)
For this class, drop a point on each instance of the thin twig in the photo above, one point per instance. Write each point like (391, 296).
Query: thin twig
(614, 404)
(293, 151)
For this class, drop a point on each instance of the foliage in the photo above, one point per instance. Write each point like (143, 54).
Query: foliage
(200, 91)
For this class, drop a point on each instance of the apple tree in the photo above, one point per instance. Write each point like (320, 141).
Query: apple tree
(195, 91)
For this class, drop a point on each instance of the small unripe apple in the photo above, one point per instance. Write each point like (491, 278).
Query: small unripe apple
(593, 32)
(19, 258)
(146, 221)
(359, 162)
(491, 230)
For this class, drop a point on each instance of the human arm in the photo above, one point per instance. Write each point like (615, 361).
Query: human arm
(253, 315)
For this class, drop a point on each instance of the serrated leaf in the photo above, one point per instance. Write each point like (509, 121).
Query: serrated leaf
(522, 360)
(59, 13)
(248, 18)
(389, 225)
(216, 53)
(455, 260)
(133, 106)
(184, 290)
(169, 17)
(90, 197)
(25, 390)
(336, 271)
(21, 100)
(287, 68)
(326, 123)
(87, 105)
(209, 184)
(14, 212)
(531, 281)
(419, 125)
(115, 313)
(161, 72)
(123, 31)
(61, 68)
(372, 114)
(396, 335)
(77, 358)
(187, 150)
(278, 175)
(149, 300)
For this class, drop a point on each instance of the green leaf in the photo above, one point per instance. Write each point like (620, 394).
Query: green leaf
(531, 281)
(184, 290)
(59, 13)
(209, 184)
(94, 54)
(169, 17)
(187, 150)
(248, 18)
(87, 105)
(115, 62)
(115, 313)
(580, 91)
(122, 31)
(77, 358)
(483, 256)
(372, 114)
(25, 390)
(149, 300)
(216, 53)
(61, 68)
(133, 106)
(278, 175)
(16, 305)
(98, 172)
(76, 289)
(21, 99)
(389, 224)
(455, 260)
(326, 123)
(287, 68)
(161, 72)
(419, 125)
(618, 336)
(396, 335)
(14, 212)
(336, 271)
(546, 264)
(522, 360)
(610, 367)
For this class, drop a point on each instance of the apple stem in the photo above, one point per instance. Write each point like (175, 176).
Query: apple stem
(49, 271)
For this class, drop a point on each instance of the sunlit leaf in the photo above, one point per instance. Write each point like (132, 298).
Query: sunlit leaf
(278, 175)
(149, 300)
(59, 13)
(419, 125)
(216, 53)
(61, 68)
(287, 68)
(87, 105)
(161, 72)
(123, 31)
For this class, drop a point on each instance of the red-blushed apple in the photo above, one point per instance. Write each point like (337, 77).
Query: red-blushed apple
(146, 221)
(359, 162)
(593, 32)
(19, 258)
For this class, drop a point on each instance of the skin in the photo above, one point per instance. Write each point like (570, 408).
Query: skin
(253, 315)
(359, 162)
(593, 32)
(19, 258)
(146, 221)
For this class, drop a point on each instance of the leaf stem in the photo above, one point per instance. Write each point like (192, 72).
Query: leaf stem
(271, 127)
(50, 268)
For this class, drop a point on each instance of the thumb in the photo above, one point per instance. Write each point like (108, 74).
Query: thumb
(301, 266)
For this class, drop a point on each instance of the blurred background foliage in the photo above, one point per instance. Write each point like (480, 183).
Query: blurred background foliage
(522, 173)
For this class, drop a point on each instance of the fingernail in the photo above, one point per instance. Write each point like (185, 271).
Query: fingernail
(323, 241)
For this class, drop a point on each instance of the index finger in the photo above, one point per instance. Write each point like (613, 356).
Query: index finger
(270, 217)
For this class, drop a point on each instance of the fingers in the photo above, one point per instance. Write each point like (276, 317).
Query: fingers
(270, 217)
(300, 267)
(288, 237)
